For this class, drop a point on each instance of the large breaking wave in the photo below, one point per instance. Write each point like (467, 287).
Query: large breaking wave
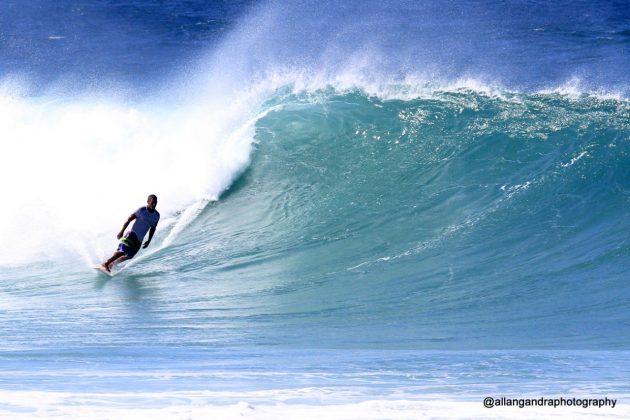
(393, 186)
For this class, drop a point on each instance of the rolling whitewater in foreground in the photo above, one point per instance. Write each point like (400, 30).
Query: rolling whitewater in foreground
(370, 210)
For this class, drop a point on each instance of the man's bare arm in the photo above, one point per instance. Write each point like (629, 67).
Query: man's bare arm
(122, 231)
(151, 232)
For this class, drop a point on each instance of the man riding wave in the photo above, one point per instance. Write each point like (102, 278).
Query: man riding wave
(146, 219)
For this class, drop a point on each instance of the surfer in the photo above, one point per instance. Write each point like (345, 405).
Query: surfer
(146, 219)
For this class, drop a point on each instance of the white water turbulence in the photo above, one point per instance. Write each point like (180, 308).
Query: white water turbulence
(75, 167)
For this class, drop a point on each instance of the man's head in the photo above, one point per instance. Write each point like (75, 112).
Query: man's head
(152, 202)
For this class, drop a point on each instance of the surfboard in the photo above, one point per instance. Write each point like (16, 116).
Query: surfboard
(101, 270)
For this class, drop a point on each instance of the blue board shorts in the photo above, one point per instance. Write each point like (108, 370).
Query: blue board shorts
(129, 244)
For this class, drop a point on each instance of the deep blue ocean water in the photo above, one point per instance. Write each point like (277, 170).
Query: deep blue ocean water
(361, 201)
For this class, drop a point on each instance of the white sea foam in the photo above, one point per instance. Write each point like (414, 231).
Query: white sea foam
(76, 167)
(203, 405)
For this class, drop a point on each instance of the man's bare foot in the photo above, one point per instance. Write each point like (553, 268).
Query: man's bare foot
(106, 268)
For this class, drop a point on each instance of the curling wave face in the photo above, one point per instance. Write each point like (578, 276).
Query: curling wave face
(456, 219)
